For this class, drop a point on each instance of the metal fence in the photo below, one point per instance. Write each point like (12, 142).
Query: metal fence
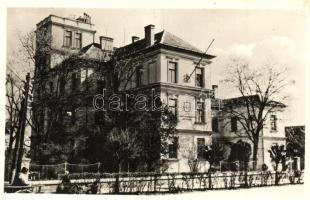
(135, 183)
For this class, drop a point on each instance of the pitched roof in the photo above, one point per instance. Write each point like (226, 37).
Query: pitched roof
(172, 40)
(241, 100)
(94, 51)
(85, 49)
(161, 38)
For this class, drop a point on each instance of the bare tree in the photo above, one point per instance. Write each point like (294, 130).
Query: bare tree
(13, 100)
(261, 92)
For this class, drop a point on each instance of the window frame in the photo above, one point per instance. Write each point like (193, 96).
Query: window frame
(201, 148)
(68, 38)
(173, 148)
(75, 81)
(175, 107)
(233, 124)
(169, 74)
(215, 124)
(153, 63)
(201, 77)
(139, 76)
(273, 123)
(78, 39)
(200, 117)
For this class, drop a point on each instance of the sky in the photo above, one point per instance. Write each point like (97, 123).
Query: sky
(256, 35)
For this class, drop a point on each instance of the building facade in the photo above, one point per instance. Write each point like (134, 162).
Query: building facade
(227, 129)
(167, 64)
(64, 87)
(178, 72)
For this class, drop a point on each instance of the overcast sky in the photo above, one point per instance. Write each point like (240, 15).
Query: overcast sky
(256, 35)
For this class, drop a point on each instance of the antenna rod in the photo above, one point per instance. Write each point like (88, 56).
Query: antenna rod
(200, 60)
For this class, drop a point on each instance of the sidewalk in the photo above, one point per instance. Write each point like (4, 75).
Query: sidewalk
(291, 192)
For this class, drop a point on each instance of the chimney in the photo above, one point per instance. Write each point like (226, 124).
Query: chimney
(215, 91)
(106, 43)
(149, 35)
(134, 39)
(85, 18)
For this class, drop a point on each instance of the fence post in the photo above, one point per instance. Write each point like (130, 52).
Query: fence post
(65, 167)
(116, 185)
(220, 166)
(276, 178)
(210, 181)
(246, 178)
(155, 182)
(238, 164)
(98, 167)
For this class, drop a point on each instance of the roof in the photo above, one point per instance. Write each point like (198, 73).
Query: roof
(253, 98)
(49, 18)
(241, 98)
(84, 49)
(94, 51)
(91, 52)
(162, 38)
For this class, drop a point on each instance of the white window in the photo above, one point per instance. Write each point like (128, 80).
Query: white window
(78, 40)
(200, 110)
(273, 122)
(83, 75)
(173, 106)
(172, 72)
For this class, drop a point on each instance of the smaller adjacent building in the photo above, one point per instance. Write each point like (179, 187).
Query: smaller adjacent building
(232, 121)
(295, 146)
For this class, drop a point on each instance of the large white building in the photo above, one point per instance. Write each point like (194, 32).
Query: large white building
(168, 61)
(179, 72)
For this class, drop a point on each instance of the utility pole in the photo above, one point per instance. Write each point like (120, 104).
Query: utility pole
(20, 135)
